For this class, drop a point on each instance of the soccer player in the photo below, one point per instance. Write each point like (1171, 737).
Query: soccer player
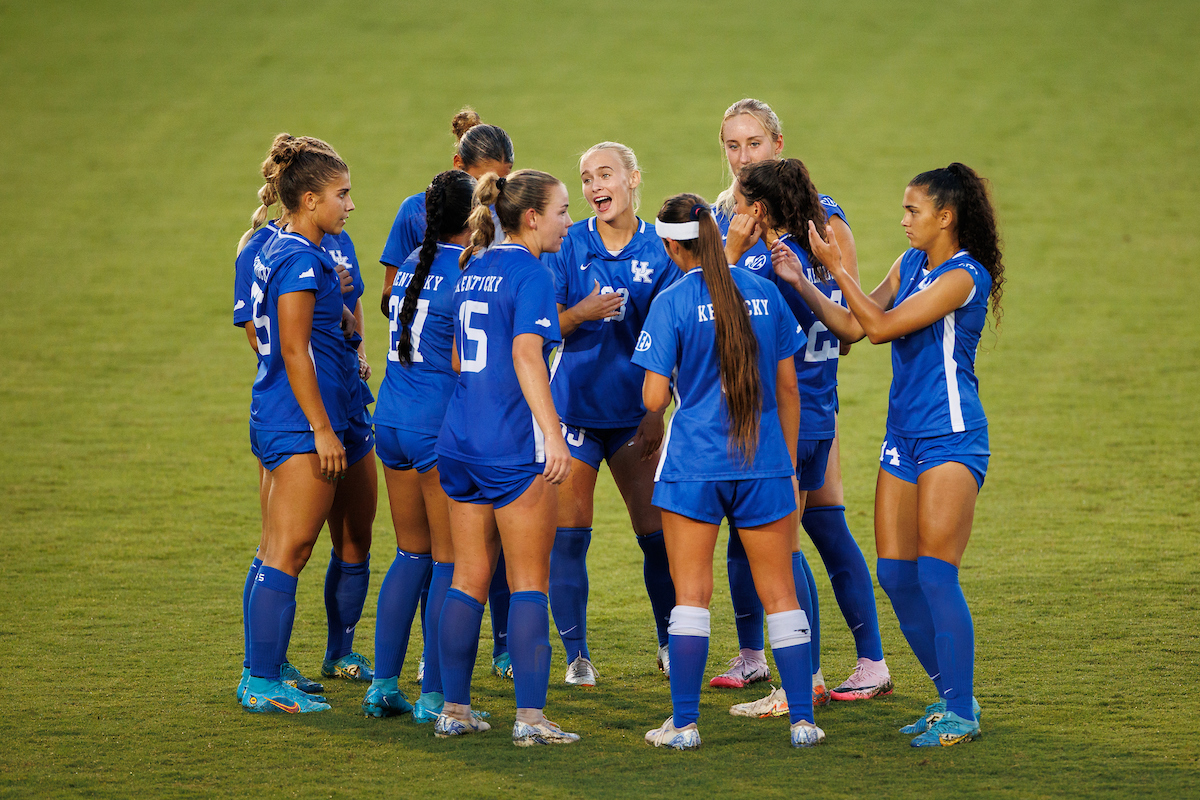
(303, 398)
(723, 341)
(500, 451)
(932, 307)
(750, 133)
(609, 269)
(479, 149)
(412, 404)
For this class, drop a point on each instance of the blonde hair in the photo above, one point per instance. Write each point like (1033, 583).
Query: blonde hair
(628, 161)
(294, 165)
(770, 123)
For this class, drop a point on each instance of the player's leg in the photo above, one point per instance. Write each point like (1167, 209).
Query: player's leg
(568, 563)
(437, 513)
(349, 573)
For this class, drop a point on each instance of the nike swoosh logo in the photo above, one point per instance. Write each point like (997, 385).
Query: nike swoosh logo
(294, 708)
(584, 266)
(568, 630)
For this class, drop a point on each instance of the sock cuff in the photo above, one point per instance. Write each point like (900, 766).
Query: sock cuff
(654, 540)
(895, 572)
(443, 567)
(538, 598)
(821, 509)
(414, 556)
(464, 598)
(788, 628)
(689, 621)
(256, 563)
(574, 531)
(936, 570)
(276, 580)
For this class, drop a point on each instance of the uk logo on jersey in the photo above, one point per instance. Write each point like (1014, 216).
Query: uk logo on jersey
(644, 341)
(641, 271)
(340, 259)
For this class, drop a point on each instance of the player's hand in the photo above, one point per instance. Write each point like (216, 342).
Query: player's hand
(349, 323)
(598, 306)
(332, 455)
(744, 232)
(345, 277)
(649, 435)
(786, 263)
(364, 369)
(827, 250)
(558, 460)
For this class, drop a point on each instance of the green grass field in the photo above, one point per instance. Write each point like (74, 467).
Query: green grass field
(131, 137)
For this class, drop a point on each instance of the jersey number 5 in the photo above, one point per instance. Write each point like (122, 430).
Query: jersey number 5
(262, 325)
(467, 334)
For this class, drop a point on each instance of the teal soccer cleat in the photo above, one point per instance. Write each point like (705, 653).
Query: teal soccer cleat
(948, 731)
(292, 677)
(502, 665)
(351, 667)
(933, 713)
(384, 699)
(427, 707)
(241, 687)
(265, 696)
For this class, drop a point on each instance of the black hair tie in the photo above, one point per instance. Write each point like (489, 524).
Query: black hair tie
(695, 212)
(500, 184)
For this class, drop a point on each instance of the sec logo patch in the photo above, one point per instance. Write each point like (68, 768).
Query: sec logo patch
(643, 342)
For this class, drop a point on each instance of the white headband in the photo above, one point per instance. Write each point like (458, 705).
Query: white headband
(679, 231)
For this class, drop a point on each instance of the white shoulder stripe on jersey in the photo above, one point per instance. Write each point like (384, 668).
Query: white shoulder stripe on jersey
(951, 368)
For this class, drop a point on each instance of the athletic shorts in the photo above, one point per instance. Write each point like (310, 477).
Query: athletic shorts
(593, 445)
(482, 484)
(272, 448)
(745, 503)
(907, 458)
(812, 456)
(360, 437)
(402, 449)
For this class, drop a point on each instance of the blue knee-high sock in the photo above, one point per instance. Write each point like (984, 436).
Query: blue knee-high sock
(954, 636)
(747, 609)
(272, 610)
(656, 571)
(790, 644)
(345, 592)
(849, 574)
(425, 606)
(498, 600)
(569, 588)
(900, 582)
(439, 583)
(688, 647)
(458, 644)
(250, 576)
(803, 576)
(399, 596)
(529, 648)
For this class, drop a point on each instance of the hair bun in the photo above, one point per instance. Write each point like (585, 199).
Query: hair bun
(463, 121)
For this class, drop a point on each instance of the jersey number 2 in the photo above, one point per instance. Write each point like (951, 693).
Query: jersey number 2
(418, 324)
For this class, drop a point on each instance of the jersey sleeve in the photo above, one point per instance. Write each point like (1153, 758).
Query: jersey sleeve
(832, 209)
(657, 348)
(534, 308)
(243, 277)
(404, 236)
(301, 273)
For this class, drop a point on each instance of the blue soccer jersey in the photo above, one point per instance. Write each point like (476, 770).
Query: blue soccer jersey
(679, 340)
(502, 294)
(414, 397)
(243, 274)
(758, 258)
(934, 388)
(290, 263)
(594, 383)
(817, 363)
(408, 230)
(341, 250)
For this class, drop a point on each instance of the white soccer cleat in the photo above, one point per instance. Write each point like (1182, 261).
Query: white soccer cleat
(664, 660)
(667, 735)
(806, 734)
(820, 693)
(869, 679)
(582, 673)
(544, 732)
(742, 672)
(773, 705)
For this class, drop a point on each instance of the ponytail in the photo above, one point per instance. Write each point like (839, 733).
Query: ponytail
(447, 206)
(512, 197)
(737, 346)
(267, 198)
(787, 191)
(967, 192)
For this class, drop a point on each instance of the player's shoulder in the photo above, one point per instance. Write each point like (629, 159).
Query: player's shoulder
(965, 261)
(831, 206)
(413, 204)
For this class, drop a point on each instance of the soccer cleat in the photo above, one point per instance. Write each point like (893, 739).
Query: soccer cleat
(265, 696)
(384, 699)
(820, 693)
(427, 707)
(582, 672)
(773, 705)
(241, 687)
(806, 734)
(292, 677)
(742, 672)
(664, 660)
(949, 730)
(869, 679)
(352, 667)
(934, 712)
(667, 735)
(544, 732)
(447, 726)
(502, 665)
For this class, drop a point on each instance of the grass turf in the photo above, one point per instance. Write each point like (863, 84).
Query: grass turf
(132, 135)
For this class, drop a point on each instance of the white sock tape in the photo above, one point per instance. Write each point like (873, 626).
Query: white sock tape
(689, 621)
(788, 628)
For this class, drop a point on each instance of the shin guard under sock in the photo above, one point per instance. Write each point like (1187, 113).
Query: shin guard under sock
(399, 596)
(569, 588)
(345, 593)
(747, 608)
(529, 647)
(849, 575)
(656, 571)
(954, 636)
